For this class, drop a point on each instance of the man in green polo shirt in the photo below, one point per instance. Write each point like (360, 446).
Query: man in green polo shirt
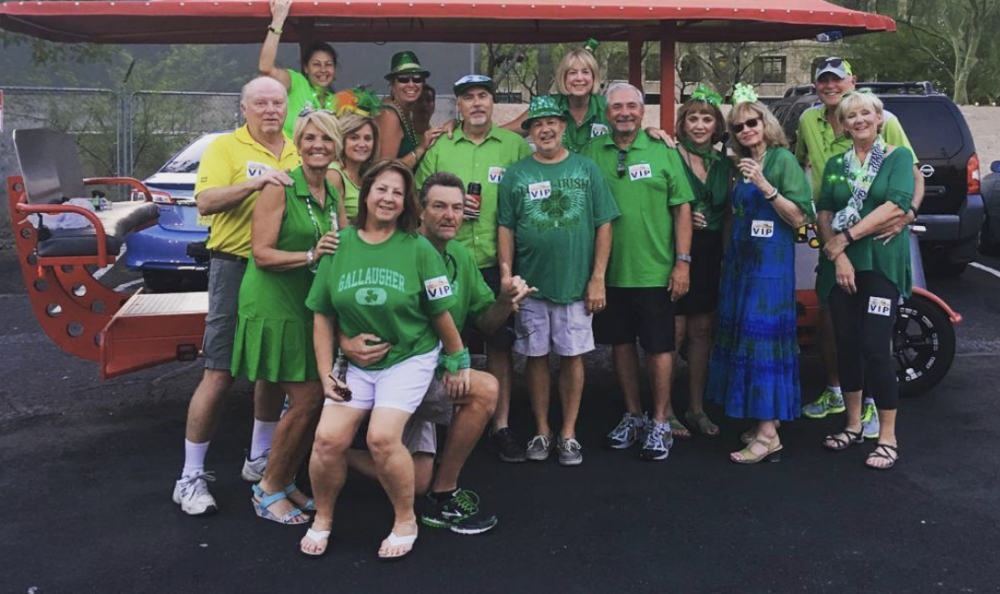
(820, 137)
(479, 153)
(648, 269)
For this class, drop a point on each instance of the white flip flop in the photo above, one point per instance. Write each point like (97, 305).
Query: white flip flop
(399, 541)
(316, 536)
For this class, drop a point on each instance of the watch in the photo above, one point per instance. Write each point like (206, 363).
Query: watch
(771, 197)
(684, 258)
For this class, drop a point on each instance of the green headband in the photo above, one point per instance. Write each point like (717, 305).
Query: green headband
(705, 94)
(744, 93)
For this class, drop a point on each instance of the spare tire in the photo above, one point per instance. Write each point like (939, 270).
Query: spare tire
(923, 345)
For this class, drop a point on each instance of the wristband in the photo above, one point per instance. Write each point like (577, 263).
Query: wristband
(913, 211)
(275, 31)
(772, 196)
(453, 363)
(847, 234)
(684, 258)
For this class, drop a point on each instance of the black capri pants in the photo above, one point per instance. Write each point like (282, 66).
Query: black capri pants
(862, 325)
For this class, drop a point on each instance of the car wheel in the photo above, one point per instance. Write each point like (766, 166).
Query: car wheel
(162, 281)
(923, 345)
(989, 240)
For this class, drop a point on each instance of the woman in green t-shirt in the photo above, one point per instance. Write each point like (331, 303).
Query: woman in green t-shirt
(356, 157)
(293, 228)
(863, 277)
(388, 283)
(700, 127)
(314, 84)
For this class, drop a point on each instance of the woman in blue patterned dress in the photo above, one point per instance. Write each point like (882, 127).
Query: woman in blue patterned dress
(755, 365)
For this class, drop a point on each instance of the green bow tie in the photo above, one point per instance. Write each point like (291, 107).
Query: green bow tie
(708, 156)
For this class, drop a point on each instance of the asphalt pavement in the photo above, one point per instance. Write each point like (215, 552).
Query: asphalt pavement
(87, 468)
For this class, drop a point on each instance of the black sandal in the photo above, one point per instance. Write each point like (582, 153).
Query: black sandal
(888, 452)
(840, 444)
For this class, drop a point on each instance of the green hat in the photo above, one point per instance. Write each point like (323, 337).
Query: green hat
(544, 106)
(405, 63)
(473, 80)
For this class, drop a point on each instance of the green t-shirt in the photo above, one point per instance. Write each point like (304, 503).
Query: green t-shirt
(352, 193)
(483, 163)
(711, 197)
(594, 124)
(652, 181)
(472, 295)
(894, 183)
(816, 144)
(554, 210)
(390, 289)
(302, 92)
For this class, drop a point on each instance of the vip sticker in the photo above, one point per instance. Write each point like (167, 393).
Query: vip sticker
(256, 169)
(640, 171)
(763, 229)
(437, 288)
(598, 130)
(496, 175)
(540, 191)
(879, 306)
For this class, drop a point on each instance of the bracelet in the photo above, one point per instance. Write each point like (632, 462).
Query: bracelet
(913, 211)
(454, 362)
(684, 258)
(275, 31)
(847, 234)
(771, 197)
(310, 257)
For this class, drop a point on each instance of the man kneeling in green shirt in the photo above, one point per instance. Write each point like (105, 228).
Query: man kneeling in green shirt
(555, 230)
(442, 201)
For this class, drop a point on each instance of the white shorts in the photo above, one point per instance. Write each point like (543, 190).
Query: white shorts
(401, 386)
(542, 326)
(420, 433)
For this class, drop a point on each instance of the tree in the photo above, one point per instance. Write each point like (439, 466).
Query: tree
(723, 64)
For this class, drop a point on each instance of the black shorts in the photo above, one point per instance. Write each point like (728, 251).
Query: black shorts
(706, 270)
(646, 313)
(503, 338)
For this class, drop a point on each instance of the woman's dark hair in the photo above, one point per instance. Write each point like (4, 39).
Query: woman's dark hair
(312, 48)
(409, 219)
(691, 107)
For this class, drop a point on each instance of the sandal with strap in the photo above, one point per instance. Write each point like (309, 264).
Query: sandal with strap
(262, 501)
(398, 541)
(751, 434)
(702, 422)
(773, 454)
(883, 451)
(678, 429)
(843, 440)
(318, 537)
(310, 505)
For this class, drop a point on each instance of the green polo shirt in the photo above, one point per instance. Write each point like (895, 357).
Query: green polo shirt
(652, 180)
(816, 144)
(594, 124)
(484, 163)
(302, 93)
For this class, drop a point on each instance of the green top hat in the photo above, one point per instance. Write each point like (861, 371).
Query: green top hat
(544, 106)
(405, 63)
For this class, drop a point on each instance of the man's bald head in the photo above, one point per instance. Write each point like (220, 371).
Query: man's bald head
(264, 103)
(261, 84)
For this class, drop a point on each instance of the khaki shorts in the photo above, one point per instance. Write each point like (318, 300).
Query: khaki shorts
(420, 433)
(542, 326)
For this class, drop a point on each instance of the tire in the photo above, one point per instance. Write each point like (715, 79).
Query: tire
(988, 244)
(162, 281)
(923, 345)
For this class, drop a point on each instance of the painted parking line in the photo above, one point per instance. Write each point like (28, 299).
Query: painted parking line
(985, 269)
(124, 286)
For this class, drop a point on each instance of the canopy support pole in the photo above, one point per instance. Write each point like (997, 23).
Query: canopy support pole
(668, 53)
(635, 62)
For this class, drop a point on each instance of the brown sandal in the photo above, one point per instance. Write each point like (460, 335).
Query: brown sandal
(883, 451)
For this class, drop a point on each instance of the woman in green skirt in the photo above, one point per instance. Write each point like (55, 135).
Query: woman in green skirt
(293, 228)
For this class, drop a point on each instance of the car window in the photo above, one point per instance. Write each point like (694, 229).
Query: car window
(188, 159)
(931, 126)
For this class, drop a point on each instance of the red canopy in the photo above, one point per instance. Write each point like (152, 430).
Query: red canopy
(469, 21)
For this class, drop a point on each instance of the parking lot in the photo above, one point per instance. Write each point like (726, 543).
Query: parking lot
(87, 469)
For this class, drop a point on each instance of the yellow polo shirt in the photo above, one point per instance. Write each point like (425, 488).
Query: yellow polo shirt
(232, 159)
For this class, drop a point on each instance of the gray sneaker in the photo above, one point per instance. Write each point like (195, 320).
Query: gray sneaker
(628, 431)
(656, 442)
(870, 426)
(570, 453)
(539, 448)
(253, 470)
(191, 493)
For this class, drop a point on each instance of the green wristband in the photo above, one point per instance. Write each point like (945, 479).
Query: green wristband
(453, 363)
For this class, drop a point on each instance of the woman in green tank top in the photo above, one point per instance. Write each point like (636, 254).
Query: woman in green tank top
(399, 136)
(293, 228)
(361, 137)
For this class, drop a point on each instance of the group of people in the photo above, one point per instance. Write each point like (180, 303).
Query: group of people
(357, 253)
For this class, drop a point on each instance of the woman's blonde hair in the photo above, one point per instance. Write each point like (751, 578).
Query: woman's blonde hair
(855, 101)
(774, 135)
(351, 123)
(587, 60)
(326, 123)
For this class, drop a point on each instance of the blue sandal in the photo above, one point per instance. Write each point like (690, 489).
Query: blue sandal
(265, 501)
(310, 505)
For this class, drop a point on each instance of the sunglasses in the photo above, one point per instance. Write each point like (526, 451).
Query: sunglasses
(621, 163)
(308, 109)
(751, 123)
(405, 80)
(834, 62)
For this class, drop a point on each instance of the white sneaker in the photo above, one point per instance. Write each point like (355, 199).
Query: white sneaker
(253, 470)
(191, 493)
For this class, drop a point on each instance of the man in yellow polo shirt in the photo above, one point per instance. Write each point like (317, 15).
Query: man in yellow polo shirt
(233, 170)
(479, 153)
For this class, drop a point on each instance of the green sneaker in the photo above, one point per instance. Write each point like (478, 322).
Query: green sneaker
(829, 402)
(870, 426)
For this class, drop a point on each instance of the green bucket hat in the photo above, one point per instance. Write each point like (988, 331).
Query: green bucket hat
(544, 106)
(405, 63)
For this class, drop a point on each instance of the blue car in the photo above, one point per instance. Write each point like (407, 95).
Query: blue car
(160, 252)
